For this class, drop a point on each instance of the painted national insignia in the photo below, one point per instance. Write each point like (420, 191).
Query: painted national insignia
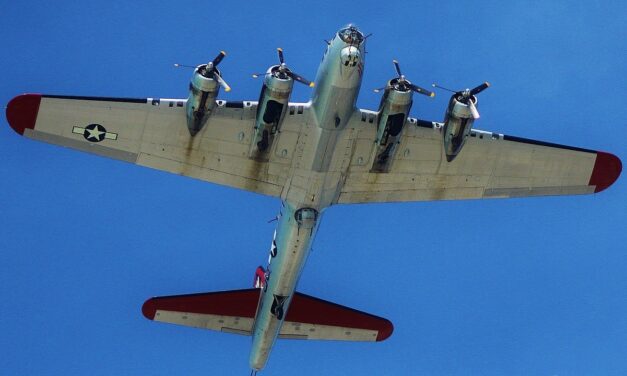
(95, 133)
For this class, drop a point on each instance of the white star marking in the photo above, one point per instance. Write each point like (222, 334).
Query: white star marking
(94, 133)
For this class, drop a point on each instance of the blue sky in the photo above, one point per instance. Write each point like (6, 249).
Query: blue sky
(518, 287)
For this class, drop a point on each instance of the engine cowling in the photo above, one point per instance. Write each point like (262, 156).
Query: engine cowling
(203, 90)
(273, 103)
(458, 122)
(393, 111)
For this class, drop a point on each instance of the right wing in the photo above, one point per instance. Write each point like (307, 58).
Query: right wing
(153, 133)
(491, 165)
(235, 311)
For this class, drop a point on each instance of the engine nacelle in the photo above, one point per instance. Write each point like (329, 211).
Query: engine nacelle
(273, 103)
(203, 91)
(393, 111)
(458, 122)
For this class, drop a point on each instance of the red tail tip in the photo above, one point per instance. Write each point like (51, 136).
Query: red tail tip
(149, 309)
(607, 169)
(22, 112)
(386, 331)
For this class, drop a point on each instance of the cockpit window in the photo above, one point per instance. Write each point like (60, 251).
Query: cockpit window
(351, 35)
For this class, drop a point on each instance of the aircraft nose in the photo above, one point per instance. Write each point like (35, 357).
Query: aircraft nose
(350, 56)
(351, 35)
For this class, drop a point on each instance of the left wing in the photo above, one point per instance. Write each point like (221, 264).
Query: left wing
(153, 133)
(490, 165)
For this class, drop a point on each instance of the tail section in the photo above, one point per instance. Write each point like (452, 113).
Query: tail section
(234, 312)
(225, 311)
(313, 318)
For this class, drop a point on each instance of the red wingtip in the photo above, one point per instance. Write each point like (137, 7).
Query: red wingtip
(22, 112)
(149, 309)
(386, 331)
(607, 169)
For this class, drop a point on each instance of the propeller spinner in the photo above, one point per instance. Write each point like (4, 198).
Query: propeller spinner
(403, 84)
(211, 71)
(467, 96)
(283, 72)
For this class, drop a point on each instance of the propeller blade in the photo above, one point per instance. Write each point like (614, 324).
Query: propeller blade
(380, 89)
(177, 65)
(398, 68)
(442, 87)
(473, 109)
(221, 81)
(480, 88)
(257, 75)
(219, 58)
(281, 58)
(422, 91)
(300, 79)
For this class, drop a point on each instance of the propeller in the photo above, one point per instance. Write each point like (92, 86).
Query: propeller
(210, 70)
(283, 72)
(403, 84)
(467, 96)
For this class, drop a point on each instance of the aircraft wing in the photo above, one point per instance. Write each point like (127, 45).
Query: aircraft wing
(235, 311)
(490, 165)
(153, 133)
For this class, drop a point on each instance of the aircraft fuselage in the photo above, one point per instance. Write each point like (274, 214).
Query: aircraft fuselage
(333, 103)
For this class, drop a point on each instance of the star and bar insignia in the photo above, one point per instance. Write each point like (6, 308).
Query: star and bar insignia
(95, 133)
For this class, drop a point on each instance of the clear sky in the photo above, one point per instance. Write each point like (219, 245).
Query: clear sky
(490, 287)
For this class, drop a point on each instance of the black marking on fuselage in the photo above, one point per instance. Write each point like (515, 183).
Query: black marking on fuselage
(234, 104)
(548, 144)
(104, 99)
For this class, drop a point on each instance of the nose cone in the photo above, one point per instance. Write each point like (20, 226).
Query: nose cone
(351, 35)
(350, 56)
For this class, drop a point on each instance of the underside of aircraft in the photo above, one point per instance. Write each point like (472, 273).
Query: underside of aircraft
(311, 156)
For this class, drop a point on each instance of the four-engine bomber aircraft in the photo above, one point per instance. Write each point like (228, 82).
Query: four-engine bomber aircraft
(312, 155)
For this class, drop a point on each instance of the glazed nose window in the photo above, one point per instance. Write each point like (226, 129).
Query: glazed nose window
(351, 35)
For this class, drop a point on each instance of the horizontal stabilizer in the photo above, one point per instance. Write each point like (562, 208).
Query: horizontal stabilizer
(226, 311)
(234, 312)
(313, 318)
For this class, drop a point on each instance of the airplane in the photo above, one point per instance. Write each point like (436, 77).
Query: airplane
(312, 156)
